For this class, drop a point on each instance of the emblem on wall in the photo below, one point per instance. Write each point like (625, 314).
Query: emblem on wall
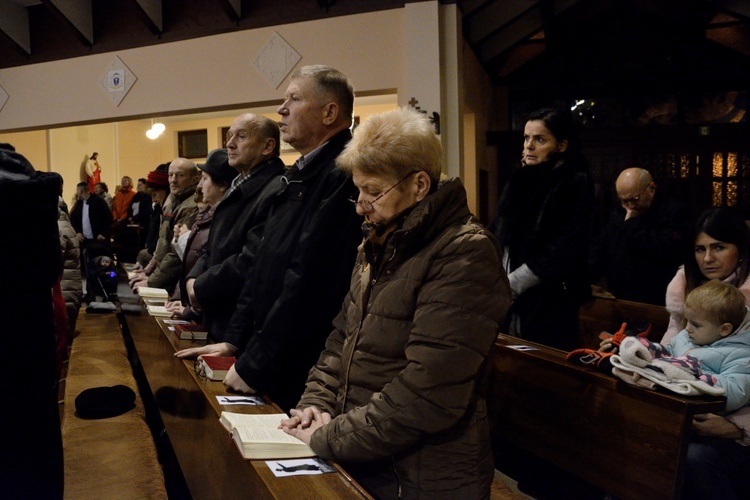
(117, 81)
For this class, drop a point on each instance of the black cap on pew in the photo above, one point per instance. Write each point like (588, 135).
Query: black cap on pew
(104, 402)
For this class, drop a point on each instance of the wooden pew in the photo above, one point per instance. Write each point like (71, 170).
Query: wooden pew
(626, 440)
(604, 314)
(112, 457)
(187, 406)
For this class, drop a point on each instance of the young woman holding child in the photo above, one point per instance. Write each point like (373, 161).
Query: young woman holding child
(721, 250)
(719, 455)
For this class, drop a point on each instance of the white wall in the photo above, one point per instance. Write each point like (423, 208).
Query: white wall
(203, 73)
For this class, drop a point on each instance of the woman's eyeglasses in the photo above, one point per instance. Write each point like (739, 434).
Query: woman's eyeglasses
(368, 205)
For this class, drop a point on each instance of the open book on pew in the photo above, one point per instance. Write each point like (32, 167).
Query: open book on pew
(259, 438)
(153, 293)
(159, 311)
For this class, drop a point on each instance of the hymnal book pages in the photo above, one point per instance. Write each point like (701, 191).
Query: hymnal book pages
(159, 311)
(152, 293)
(258, 436)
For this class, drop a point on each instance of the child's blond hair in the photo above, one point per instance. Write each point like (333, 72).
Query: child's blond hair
(720, 302)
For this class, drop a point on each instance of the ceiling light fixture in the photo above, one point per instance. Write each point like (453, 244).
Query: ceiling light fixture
(156, 130)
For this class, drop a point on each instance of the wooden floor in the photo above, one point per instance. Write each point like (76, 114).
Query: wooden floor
(505, 487)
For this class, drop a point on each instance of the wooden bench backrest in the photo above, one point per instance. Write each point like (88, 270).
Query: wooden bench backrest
(600, 314)
(629, 441)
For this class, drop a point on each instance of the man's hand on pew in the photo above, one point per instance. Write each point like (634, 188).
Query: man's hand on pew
(175, 307)
(220, 349)
(234, 381)
(304, 422)
(712, 425)
(139, 280)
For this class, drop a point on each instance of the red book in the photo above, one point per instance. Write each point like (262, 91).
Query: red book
(216, 367)
(191, 332)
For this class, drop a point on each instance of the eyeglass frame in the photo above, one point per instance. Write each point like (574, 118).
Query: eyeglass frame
(634, 199)
(368, 205)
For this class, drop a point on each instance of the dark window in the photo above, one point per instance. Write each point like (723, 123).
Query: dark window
(192, 144)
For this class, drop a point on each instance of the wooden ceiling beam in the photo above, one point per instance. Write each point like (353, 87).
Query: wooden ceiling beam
(233, 8)
(14, 22)
(78, 14)
(152, 14)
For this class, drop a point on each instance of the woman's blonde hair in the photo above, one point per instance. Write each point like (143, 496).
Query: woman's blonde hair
(393, 144)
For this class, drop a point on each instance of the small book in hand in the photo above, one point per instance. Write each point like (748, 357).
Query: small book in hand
(191, 332)
(216, 367)
(259, 438)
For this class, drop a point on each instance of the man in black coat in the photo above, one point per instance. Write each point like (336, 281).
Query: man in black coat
(306, 251)
(217, 278)
(640, 248)
(92, 220)
(31, 458)
(139, 211)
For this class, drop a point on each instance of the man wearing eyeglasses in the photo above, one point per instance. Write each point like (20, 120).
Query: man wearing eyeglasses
(641, 246)
(306, 254)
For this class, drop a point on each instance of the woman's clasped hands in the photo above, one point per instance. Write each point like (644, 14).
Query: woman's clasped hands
(304, 422)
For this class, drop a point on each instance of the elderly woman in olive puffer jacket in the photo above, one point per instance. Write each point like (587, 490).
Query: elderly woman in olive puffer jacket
(399, 393)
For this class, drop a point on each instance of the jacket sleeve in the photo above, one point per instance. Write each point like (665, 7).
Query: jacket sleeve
(323, 382)
(455, 323)
(734, 377)
(675, 299)
(224, 281)
(567, 240)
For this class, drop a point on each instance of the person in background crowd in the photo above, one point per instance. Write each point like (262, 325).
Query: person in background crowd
(216, 178)
(309, 239)
(435, 294)
(120, 210)
(102, 191)
(543, 223)
(217, 279)
(31, 457)
(92, 220)
(164, 268)
(157, 185)
(639, 249)
(122, 201)
(140, 206)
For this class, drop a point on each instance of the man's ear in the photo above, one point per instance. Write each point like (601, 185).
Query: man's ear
(562, 146)
(725, 329)
(269, 147)
(422, 182)
(330, 113)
